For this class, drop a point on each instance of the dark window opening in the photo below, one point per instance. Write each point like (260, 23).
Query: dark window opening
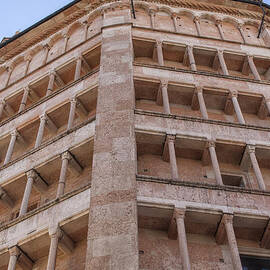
(255, 263)
(232, 180)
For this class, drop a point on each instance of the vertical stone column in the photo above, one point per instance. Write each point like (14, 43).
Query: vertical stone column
(228, 220)
(53, 249)
(51, 83)
(85, 29)
(78, 68)
(199, 91)
(28, 59)
(165, 98)
(220, 30)
(47, 49)
(14, 253)
(13, 137)
(174, 18)
(240, 28)
(172, 155)
(73, 103)
(66, 38)
(256, 167)
(160, 53)
(182, 239)
(24, 99)
(253, 68)
(27, 192)
(191, 58)
(10, 69)
(222, 62)
(152, 14)
(2, 107)
(213, 155)
(237, 109)
(62, 179)
(197, 24)
(113, 237)
(43, 120)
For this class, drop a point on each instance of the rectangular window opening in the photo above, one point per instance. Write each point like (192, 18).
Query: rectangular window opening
(232, 180)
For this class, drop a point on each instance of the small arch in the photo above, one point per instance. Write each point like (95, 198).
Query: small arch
(56, 44)
(163, 19)
(230, 29)
(19, 69)
(185, 22)
(38, 57)
(143, 6)
(167, 10)
(208, 25)
(250, 29)
(76, 35)
(142, 15)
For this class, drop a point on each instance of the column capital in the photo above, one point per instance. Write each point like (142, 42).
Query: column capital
(14, 133)
(219, 22)
(240, 25)
(2, 101)
(47, 46)
(220, 51)
(179, 213)
(190, 47)
(31, 174)
(52, 72)
(66, 155)
(251, 148)
(164, 83)
(14, 251)
(43, 117)
(196, 19)
(26, 89)
(73, 100)
(152, 11)
(228, 218)
(159, 42)
(198, 89)
(234, 93)
(56, 233)
(171, 137)
(28, 57)
(174, 15)
(249, 56)
(211, 144)
(79, 57)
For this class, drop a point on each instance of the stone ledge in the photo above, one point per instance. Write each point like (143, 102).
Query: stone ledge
(45, 144)
(201, 120)
(145, 178)
(44, 207)
(45, 98)
(201, 73)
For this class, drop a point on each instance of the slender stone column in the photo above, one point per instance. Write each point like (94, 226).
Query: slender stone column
(253, 68)
(237, 108)
(228, 220)
(73, 103)
(85, 29)
(173, 162)
(222, 62)
(62, 179)
(197, 24)
(175, 24)
(199, 91)
(66, 38)
(256, 167)
(165, 98)
(53, 249)
(220, 30)
(47, 49)
(182, 239)
(78, 68)
(240, 28)
(27, 192)
(191, 58)
(43, 120)
(14, 255)
(24, 99)
(152, 14)
(10, 69)
(28, 59)
(2, 107)
(160, 53)
(13, 137)
(213, 155)
(51, 82)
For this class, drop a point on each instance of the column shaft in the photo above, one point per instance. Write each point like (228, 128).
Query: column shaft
(182, 239)
(191, 58)
(78, 69)
(43, 120)
(10, 146)
(202, 104)
(238, 111)
(173, 161)
(14, 254)
(152, 18)
(198, 27)
(233, 245)
(242, 33)
(175, 22)
(253, 68)
(256, 168)
(26, 195)
(2, 106)
(160, 53)
(63, 174)
(53, 252)
(72, 110)
(220, 30)
(165, 98)
(24, 99)
(215, 164)
(222, 63)
(51, 83)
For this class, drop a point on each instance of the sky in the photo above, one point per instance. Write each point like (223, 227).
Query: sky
(17, 15)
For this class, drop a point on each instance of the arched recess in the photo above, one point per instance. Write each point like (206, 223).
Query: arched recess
(142, 16)
(185, 22)
(75, 34)
(38, 56)
(19, 66)
(95, 24)
(230, 30)
(208, 26)
(250, 30)
(163, 20)
(57, 46)
(3, 76)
